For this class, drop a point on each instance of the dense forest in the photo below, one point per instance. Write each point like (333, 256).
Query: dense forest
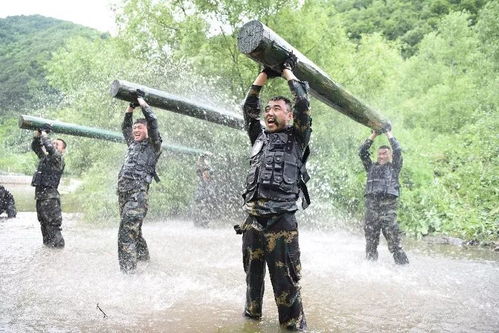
(431, 67)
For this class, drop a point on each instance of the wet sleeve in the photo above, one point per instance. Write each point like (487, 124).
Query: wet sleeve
(11, 205)
(36, 146)
(302, 121)
(364, 154)
(251, 112)
(397, 160)
(152, 123)
(47, 143)
(126, 128)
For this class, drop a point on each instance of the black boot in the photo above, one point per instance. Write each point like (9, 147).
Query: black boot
(372, 255)
(400, 257)
(55, 237)
(45, 235)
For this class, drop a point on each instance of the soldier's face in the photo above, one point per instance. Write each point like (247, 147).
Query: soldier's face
(276, 115)
(139, 132)
(59, 146)
(384, 155)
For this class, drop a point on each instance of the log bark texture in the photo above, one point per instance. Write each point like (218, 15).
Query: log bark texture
(34, 123)
(264, 46)
(125, 91)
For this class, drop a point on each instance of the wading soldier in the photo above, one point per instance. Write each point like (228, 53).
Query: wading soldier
(46, 181)
(7, 203)
(382, 192)
(204, 196)
(138, 170)
(273, 185)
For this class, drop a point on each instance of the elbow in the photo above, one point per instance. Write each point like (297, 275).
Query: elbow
(302, 103)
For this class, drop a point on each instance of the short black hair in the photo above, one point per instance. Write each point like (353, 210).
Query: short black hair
(384, 147)
(63, 142)
(140, 121)
(282, 98)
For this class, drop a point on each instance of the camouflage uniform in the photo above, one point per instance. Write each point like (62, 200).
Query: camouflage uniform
(270, 234)
(7, 203)
(382, 191)
(134, 178)
(46, 181)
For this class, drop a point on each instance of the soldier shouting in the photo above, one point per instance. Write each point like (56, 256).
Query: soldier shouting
(276, 178)
(138, 170)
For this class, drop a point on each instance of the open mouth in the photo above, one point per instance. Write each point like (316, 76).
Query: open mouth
(271, 121)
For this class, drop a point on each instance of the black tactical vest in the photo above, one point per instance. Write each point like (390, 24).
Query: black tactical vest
(140, 163)
(382, 179)
(49, 171)
(276, 161)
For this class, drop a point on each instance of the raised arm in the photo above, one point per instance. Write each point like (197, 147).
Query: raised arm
(251, 108)
(47, 143)
(364, 154)
(36, 145)
(302, 121)
(397, 159)
(152, 123)
(126, 126)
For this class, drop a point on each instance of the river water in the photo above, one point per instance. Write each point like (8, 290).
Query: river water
(195, 283)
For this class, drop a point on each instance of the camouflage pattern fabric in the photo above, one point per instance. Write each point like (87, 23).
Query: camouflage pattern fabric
(7, 203)
(278, 247)
(381, 216)
(50, 217)
(131, 244)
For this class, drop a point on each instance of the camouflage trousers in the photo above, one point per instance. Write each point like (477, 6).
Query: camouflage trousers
(49, 215)
(278, 247)
(131, 244)
(10, 211)
(381, 216)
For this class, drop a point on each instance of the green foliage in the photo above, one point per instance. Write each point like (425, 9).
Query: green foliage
(431, 67)
(26, 44)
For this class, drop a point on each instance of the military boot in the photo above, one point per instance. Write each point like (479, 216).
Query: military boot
(400, 257)
(142, 250)
(372, 255)
(45, 235)
(55, 237)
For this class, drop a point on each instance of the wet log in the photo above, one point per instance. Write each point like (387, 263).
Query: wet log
(35, 123)
(264, 46)
(125, 91)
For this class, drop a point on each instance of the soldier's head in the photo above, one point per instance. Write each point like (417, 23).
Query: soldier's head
(277, 114)
(59, 145)
(139, 130)
(384, 154)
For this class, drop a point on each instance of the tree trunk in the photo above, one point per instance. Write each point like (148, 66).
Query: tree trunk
(34, 123)
(125, 91)
(264, 46)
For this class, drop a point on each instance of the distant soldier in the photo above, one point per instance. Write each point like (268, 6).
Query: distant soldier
(138, 170)
(273, 185)
(203, 200)
(46, 181)
(382, 192)
(7, 203)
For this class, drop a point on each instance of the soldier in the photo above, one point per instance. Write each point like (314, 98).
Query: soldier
(7, 203)
(204, 193)
(382, 192)
(46, 181)
(275, 181)
(138, 170)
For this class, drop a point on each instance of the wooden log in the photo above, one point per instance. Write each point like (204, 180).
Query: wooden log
(34, 123)
(264, 46)
(125, 91)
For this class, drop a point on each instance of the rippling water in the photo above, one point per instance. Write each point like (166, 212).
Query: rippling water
(195, 283)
